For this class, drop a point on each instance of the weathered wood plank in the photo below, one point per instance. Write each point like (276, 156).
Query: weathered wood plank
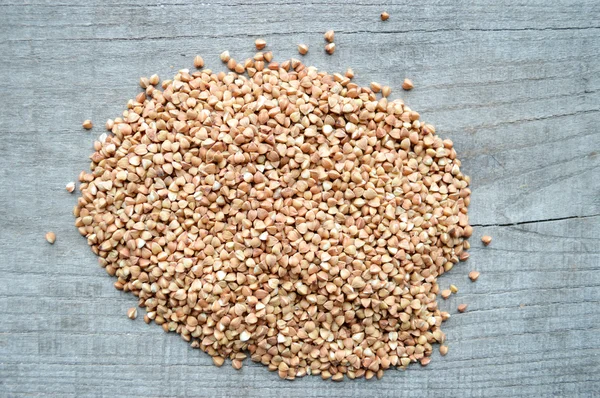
(515, 86)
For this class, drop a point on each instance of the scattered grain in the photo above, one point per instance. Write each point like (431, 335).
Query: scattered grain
(462, 307)
(330, 48)
(329, 36)
(132, 313)
(385, 16)
(473, 275)
(446, 293)
(407, 84)
(302, 49)
(87, 124)
(70, 187)
(198, 62)
(486, 239)
(51, 237)
(260, 44)
(225, 57)
(443, 350)
(453, 289)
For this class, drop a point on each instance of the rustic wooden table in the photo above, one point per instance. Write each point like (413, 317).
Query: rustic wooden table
(515, 86)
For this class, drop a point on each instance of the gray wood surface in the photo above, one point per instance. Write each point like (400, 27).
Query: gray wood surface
(516, 86)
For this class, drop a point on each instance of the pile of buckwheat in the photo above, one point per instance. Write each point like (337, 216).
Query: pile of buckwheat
(288, 215)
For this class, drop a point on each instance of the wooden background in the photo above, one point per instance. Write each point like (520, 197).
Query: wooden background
(516, 85)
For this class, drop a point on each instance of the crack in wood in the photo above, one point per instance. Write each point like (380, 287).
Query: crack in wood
(513, 224)
(295, 33)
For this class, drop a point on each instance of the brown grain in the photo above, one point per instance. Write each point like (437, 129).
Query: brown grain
(50, 237)
(132, 313)
(260, 44)
(302, 49)
(198, 62)
(109, 124)
(407, 84)
(443, 350)
(473, 275)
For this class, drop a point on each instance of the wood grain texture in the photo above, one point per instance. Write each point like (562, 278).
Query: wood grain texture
(515, 85)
